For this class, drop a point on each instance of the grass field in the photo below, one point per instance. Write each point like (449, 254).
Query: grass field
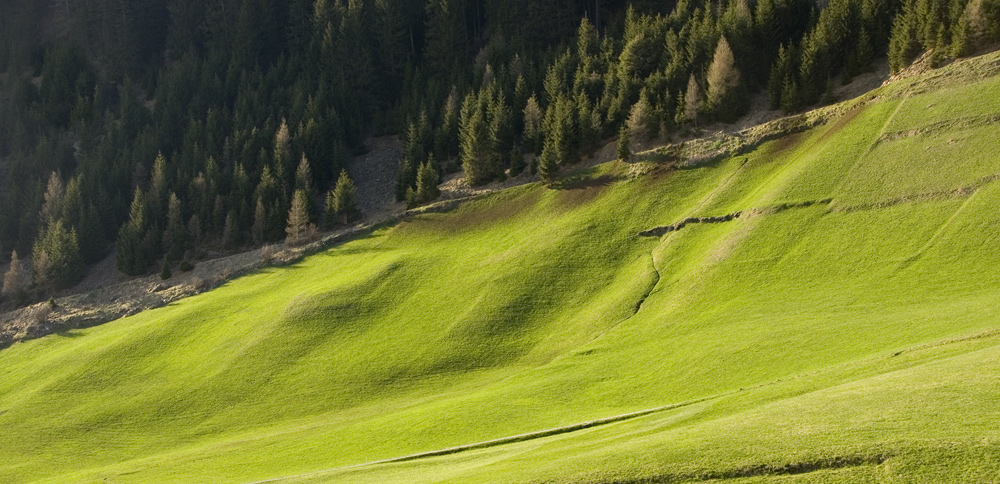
(853, 338)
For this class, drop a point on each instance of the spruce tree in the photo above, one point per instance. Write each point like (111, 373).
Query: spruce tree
(345, 199)
(130, 254)
(175, 235)
(475, 143)
(56, 258)
(304, 177)
(624, 144)
(427, 183)
(548, 163)
(259, 228)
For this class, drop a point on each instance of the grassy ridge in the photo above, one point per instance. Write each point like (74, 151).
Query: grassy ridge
(821, 343)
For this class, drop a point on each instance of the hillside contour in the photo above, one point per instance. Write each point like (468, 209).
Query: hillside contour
(842, 328)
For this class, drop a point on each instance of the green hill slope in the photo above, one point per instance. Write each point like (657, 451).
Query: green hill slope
(844, 328)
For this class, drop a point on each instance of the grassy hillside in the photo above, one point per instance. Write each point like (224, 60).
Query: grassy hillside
(843, 329)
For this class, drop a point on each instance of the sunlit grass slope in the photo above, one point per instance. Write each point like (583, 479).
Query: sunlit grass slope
(844, 329)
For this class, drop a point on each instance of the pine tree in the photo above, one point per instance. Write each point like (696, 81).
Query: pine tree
(299, 229)
(345, 199)
(624, 144)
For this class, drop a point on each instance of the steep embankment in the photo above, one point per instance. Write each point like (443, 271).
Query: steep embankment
(842, 329)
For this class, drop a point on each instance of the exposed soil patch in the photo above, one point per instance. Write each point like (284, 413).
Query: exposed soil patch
(575, 192)
(789, 469)
(473, 218)
(660, 231)
(787, 143)
(842, 122)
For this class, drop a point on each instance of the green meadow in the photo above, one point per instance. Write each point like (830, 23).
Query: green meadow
(845, 328)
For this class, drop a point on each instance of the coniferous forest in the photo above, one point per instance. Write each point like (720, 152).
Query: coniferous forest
(156, 129)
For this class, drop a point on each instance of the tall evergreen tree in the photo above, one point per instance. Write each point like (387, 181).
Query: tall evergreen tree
(343, 200)
(548, 162)
(56, 258)
(624, 150)
(130, 255)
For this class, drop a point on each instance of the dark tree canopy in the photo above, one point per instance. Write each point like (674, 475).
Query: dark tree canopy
(158, 127)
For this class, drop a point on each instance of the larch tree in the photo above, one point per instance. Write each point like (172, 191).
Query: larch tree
(724, 99)
(691, 103)
(299, 228)
(17, 280)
